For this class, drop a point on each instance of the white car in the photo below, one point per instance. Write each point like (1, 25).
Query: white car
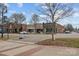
(23, 32)
(67, 32)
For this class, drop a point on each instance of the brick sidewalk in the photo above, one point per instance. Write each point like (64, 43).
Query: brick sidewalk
(9, 48)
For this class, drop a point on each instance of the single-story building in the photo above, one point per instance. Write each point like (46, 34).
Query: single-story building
(13, 28)
(45, 28)
(31, 28)
(48, 28)
(40, 28)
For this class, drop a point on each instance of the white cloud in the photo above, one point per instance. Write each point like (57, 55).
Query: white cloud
(41, 4)
(45, 7)
(37, 4)
(20, 5)
(43, 16)
(6, 4)
(24, 13)
(76, 14)
(31, 12)
(76, 9)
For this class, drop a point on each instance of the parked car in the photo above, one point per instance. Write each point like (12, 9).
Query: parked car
(23, 32)
(67, 32)
(77, 31)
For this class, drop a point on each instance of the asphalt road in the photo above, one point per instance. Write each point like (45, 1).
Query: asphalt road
(39, 37)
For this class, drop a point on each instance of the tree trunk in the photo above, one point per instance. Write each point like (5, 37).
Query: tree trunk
(17, 28)
(35, 31)
(53, 36)
(2, 35)
(7, 33)
(53, 31)
(53, 28)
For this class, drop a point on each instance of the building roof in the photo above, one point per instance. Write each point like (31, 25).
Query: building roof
(46, 25)
(49, 25)
(38, 26)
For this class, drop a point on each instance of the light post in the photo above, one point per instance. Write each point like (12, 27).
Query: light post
(7, 24)
(7, 30)
(4, 10)
(2, 23)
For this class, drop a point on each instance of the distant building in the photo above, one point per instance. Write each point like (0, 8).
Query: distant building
(40, 28)
(31, 28)
(45, 28)
(48, 28)
(12, 27)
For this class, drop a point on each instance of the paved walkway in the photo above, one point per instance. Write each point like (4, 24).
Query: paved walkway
(20, 48)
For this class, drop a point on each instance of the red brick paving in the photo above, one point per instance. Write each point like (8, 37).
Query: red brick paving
(3, 55)
(12, 48)
(31, 51)
(18, 42)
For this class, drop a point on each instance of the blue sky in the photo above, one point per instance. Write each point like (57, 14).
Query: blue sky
(28, 8)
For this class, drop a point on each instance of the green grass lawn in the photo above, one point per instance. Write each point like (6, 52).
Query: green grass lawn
(66, 42)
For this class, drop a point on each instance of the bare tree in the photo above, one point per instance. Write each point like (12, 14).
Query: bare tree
(55, 11)
(69, 27)
(35, 20)
(18, 18)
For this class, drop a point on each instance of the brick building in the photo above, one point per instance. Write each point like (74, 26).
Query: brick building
(13, 28)
(46, 28)
(31, 28)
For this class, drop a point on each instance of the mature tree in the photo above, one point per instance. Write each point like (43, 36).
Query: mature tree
(69, 27)
(3, 10)
(17, 18)
(35, 20)
(55, 11)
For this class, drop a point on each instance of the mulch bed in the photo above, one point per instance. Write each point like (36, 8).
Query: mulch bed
(66, 42)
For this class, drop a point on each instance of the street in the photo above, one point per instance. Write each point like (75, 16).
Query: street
(34, 38)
